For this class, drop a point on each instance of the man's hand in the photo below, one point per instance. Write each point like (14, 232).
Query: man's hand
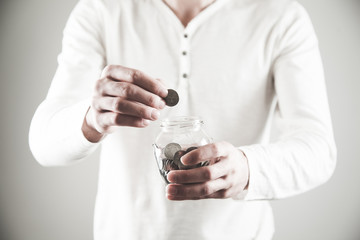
(226, 176)
(123, 97)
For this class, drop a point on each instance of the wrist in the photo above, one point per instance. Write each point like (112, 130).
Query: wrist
(90, 132)
(246, 163)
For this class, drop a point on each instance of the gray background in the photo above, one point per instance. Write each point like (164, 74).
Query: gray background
(39, 203)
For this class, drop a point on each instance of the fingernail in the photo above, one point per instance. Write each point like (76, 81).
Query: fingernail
(146, 122)
(171, 177)
(163, 92)
(155, 114)
(182, 160)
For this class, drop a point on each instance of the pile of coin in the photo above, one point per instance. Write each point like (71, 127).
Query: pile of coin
(171, 156)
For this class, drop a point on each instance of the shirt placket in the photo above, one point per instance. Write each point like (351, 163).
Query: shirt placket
(184, 61)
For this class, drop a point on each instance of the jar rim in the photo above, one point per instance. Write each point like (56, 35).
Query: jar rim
(181, 121)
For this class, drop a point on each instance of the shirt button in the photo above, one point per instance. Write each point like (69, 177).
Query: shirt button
(184, 53)
(185, 75)
(185, 35)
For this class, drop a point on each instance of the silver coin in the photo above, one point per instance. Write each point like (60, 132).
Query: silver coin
(171, 149)
(172, 98)
(166, 164)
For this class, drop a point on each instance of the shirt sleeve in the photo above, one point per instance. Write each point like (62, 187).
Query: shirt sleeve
(303, 154)
(55, 135)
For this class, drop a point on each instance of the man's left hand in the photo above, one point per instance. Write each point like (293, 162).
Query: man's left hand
(226, 176)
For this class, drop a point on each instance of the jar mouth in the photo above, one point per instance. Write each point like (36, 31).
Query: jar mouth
(181, 122)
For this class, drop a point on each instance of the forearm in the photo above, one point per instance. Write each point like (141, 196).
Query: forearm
(55, 135)
(290, 166)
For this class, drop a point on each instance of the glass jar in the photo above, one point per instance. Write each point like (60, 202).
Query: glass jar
(178, 136)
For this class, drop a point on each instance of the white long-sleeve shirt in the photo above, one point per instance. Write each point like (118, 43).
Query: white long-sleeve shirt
(252, 71)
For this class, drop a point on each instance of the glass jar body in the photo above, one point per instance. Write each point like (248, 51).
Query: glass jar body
(178, 136)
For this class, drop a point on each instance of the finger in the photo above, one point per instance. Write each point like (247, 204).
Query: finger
(181, 198)
(132, 92)
(199, 175)
(109, 119)
(120, 73)
(223, 193)
(161, 81)
(209, 152)
(126, 107)
(195, 191)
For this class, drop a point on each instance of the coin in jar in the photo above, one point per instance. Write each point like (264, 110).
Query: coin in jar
(170, 150)
(172, 98)
(166, 164)
(173, 166)
(169, 164)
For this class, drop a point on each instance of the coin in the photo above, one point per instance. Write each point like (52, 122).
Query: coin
(165, 164)
(170, 150)
(172, 98)
(173, 166)
(169, 164)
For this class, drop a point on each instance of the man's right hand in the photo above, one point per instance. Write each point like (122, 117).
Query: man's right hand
(123, 97)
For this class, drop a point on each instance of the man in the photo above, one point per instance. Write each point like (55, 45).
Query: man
(250, 68)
